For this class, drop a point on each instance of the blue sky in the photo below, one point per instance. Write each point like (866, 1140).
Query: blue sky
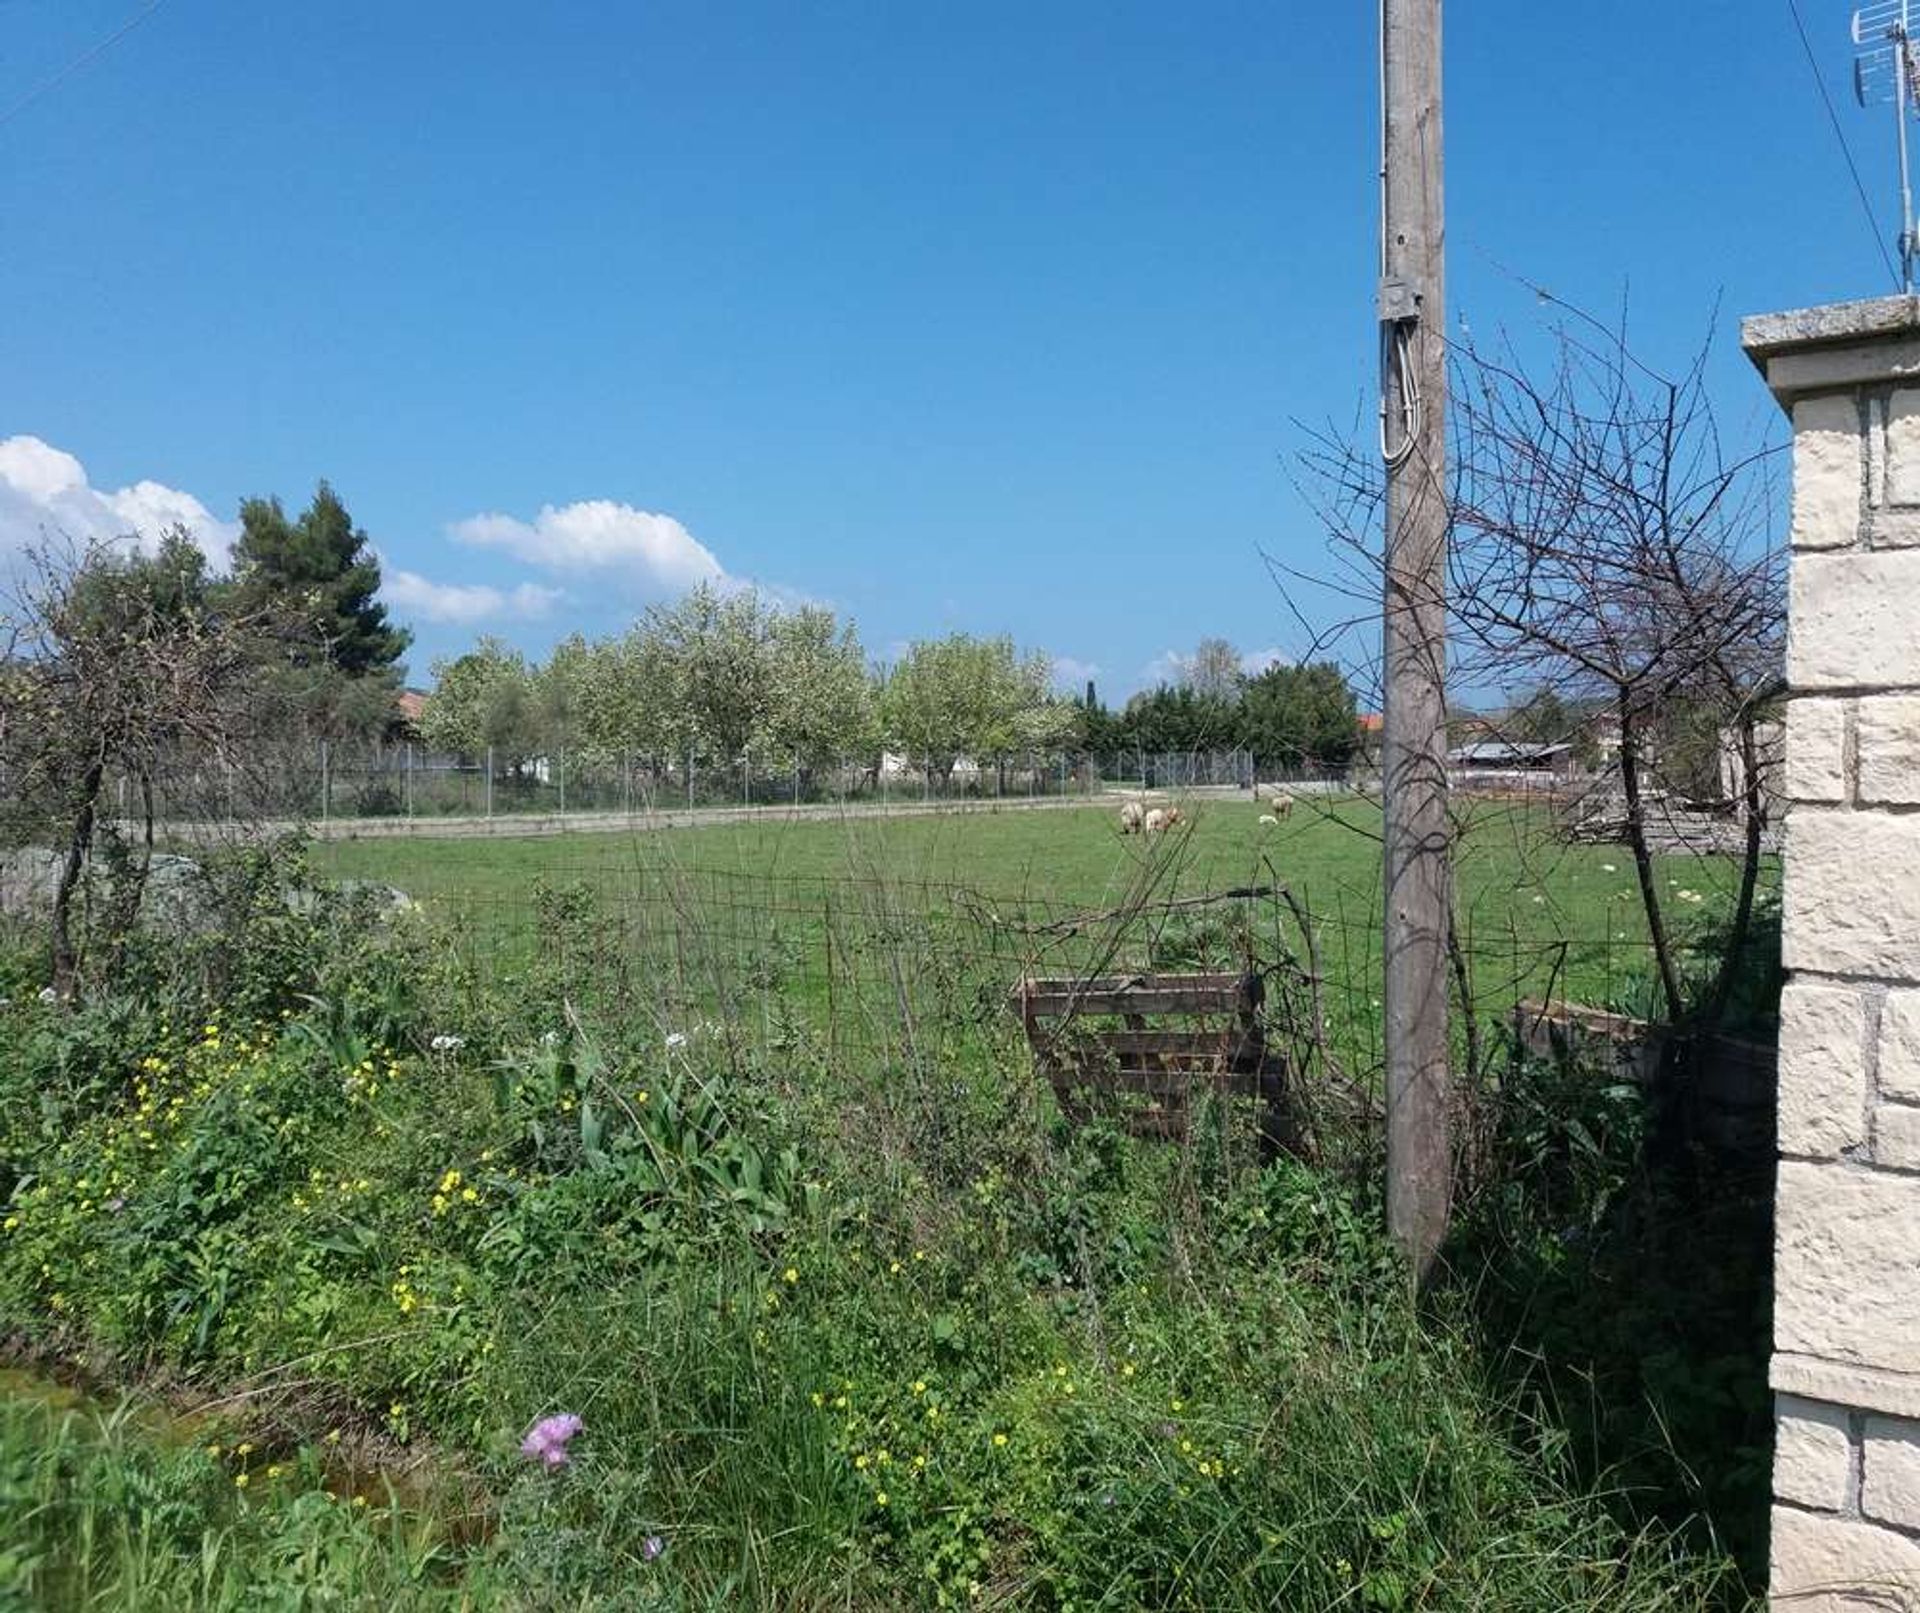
(984, 316)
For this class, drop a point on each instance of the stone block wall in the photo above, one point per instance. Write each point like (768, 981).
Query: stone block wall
(1846, 1363)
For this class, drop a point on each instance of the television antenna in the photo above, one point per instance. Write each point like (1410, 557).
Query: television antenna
(1885, 70)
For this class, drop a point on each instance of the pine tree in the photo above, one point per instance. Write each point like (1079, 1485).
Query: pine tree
(320, 569)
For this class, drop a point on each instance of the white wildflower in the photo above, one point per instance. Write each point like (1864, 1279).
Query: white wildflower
(49, 995)
(447, 1044)
(675, 1039)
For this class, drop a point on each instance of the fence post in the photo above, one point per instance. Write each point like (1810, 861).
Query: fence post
(489, 781)
(746, 777)
(326, 782)
(689, 778)
(409, 778)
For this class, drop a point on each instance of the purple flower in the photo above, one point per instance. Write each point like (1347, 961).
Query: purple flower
(547, 1440)
(651, 1547)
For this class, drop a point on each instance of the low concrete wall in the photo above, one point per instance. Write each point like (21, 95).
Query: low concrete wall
(1730, 1082)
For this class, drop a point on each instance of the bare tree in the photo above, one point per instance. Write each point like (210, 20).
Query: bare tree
(1215, 670)
(117, 658)
(1605, 547)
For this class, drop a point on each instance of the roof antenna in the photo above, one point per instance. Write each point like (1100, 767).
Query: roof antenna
(1884, 72)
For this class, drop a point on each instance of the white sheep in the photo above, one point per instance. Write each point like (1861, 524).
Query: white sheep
(1131, 816)
(1281, 805)
(1156, 820)
(1269, 821)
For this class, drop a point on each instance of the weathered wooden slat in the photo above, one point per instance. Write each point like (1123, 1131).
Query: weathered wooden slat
(1225, 978)
(1137, 1000)
(1080, 1045)
(1163, 1083)
(1139, 994)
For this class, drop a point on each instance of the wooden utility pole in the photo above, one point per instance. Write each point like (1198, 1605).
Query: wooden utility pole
(1413, 752)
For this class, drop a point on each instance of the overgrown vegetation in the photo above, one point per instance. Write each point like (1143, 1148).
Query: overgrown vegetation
(871, 1328)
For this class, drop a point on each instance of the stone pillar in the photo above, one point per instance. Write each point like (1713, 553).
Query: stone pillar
(1846, 1318)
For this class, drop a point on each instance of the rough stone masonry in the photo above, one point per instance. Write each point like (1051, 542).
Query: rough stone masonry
(1846, 1362)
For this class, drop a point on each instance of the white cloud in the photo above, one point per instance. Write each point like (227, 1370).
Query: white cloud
(1169, 666)
(654, 551)
(1072, 674)
(1172, 666)
(45, 497)
(425, 600)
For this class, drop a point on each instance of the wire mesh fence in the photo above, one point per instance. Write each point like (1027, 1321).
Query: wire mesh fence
(891, 969)
(858, 951)
(324, 782)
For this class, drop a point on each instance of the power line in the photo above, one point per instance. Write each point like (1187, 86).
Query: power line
(91, 54)
(1840, 134)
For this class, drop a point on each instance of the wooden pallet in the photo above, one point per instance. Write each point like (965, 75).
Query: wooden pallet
(1139, 1048)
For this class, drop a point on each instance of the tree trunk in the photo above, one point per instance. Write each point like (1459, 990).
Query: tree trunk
(1753, 801)
(130, 886)
(66, 959)
(1643, 860)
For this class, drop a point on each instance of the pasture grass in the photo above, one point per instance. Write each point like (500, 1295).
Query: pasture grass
(1537, 916)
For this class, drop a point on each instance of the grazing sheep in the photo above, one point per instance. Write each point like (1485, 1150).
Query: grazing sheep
(1156, 820)
(1281, 805)
(1173, 816)
(1131, 817)
(1269, 821)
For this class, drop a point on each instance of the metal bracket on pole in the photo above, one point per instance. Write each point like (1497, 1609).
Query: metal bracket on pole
(1399, 300)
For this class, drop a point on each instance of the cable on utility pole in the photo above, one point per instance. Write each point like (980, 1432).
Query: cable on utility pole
(91, 54)
(1414, 619)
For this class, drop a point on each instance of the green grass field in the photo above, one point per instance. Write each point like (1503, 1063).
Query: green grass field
(1537, 915)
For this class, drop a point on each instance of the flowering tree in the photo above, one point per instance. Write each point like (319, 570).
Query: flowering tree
(823, 697)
